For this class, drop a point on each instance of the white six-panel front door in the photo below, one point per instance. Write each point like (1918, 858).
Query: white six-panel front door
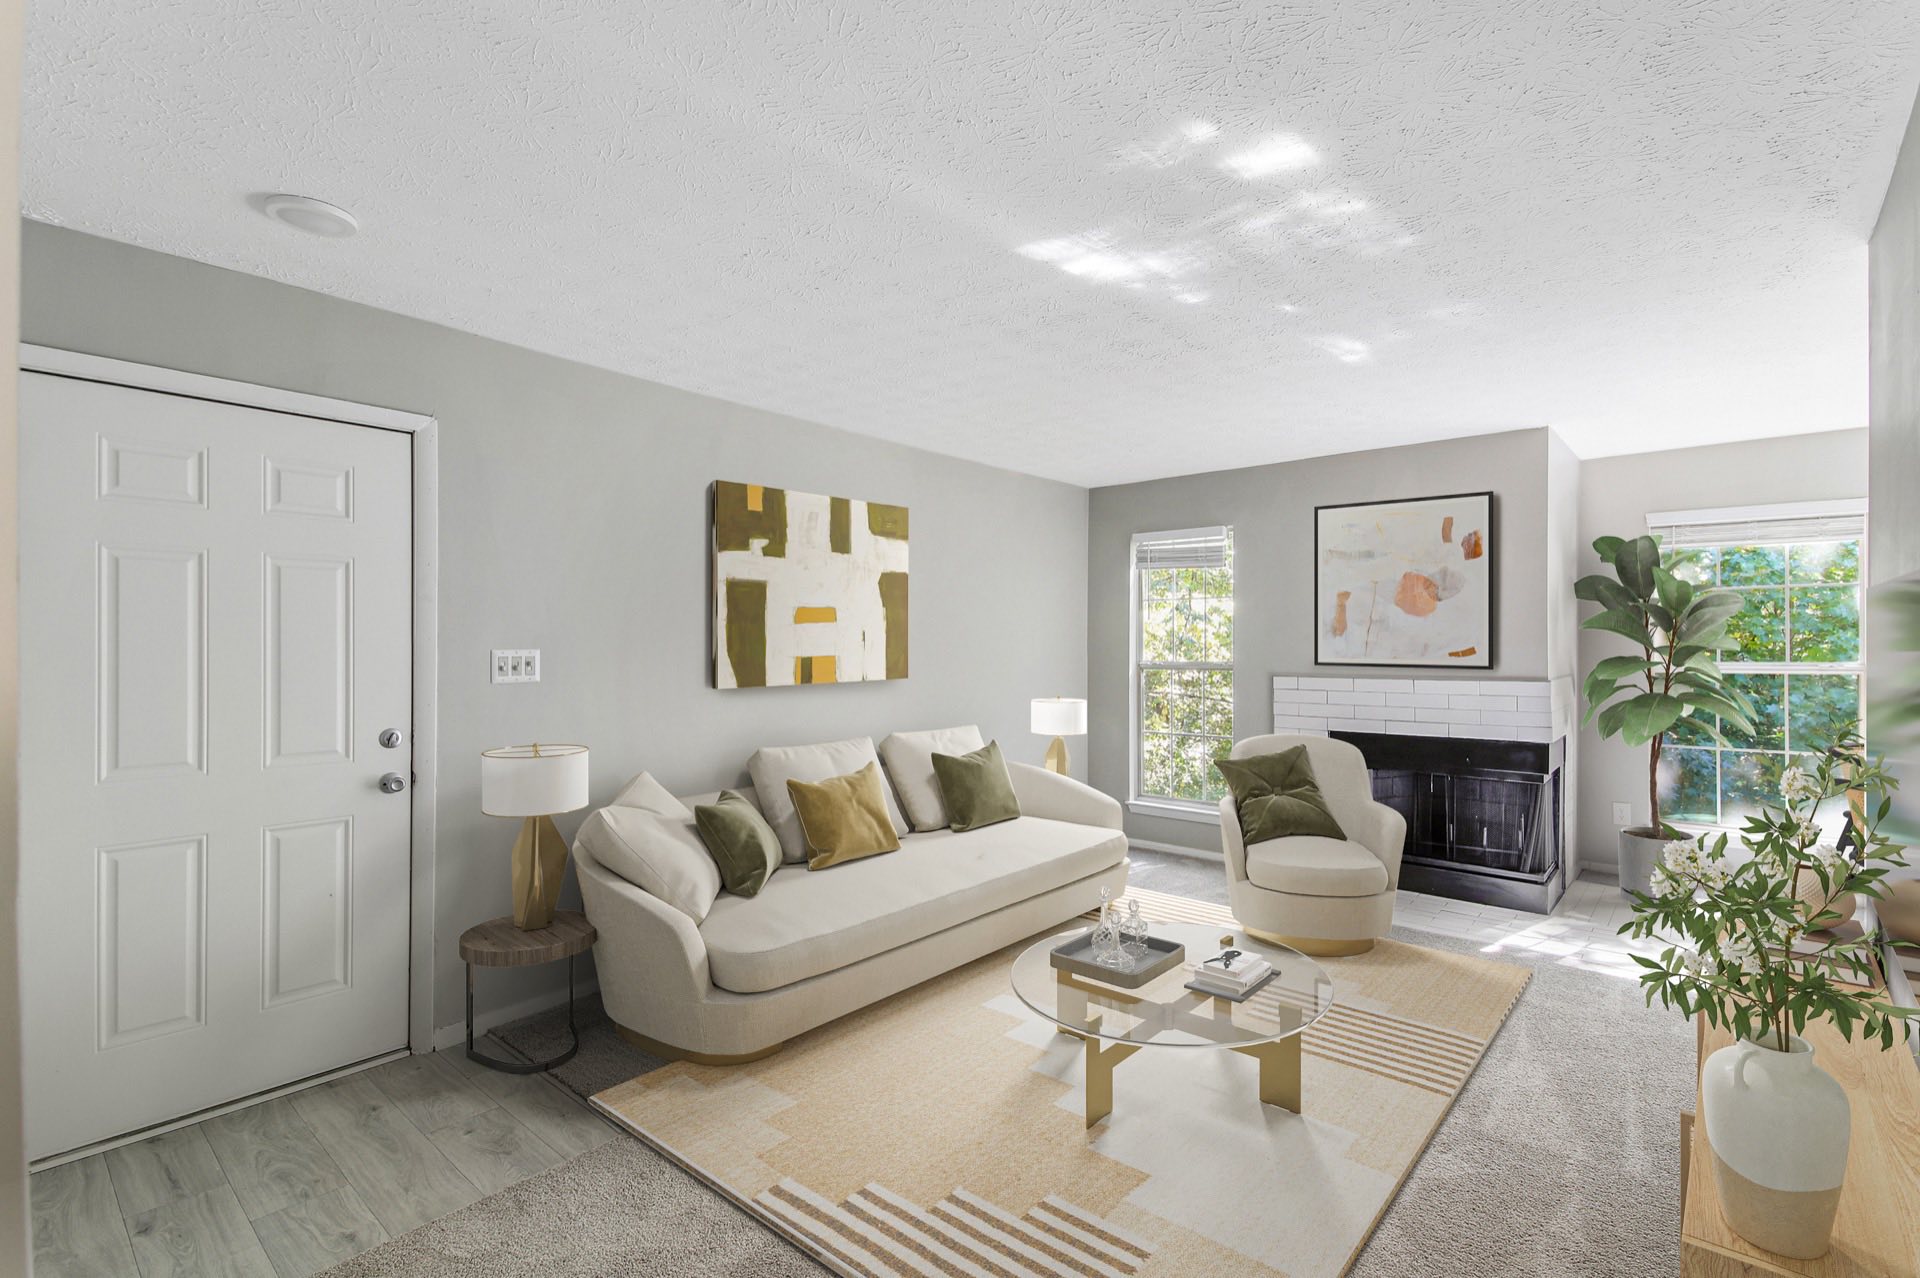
(216, 632)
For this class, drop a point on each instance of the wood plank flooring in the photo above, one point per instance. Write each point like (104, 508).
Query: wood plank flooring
(290, 1186)
(285, 1188)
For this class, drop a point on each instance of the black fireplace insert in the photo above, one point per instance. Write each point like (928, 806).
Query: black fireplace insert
(1485, 819)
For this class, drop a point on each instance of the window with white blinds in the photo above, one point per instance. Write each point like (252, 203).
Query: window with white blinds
(1761, 525)
(1191, 548)
(1182, 664)
(1794, 647)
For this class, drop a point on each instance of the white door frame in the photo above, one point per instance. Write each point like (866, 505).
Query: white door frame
(426, 599)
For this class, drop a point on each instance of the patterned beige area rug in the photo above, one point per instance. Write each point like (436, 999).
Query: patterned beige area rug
(941, 1131)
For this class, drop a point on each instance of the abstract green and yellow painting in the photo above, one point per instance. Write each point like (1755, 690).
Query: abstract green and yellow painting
(807, 589)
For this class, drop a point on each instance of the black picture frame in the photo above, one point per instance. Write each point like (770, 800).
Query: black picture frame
(1482, 660)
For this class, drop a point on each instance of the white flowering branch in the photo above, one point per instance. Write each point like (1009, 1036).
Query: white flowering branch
(1743, 922)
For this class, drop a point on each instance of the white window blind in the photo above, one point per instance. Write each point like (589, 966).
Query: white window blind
(1188, 548)
(1761, 525)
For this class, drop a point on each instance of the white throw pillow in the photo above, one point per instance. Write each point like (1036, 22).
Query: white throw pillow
(771, 768)
(908, 757)
(660, 854)
(649, 795)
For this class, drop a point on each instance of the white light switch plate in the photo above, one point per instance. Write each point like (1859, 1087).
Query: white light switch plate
(516, 665)
(1622, 814)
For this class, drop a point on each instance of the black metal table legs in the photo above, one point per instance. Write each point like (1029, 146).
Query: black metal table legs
(524, 1067)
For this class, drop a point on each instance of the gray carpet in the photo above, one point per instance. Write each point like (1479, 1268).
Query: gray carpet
(604, 1059)
(1560, 1158)
(1562, 1155)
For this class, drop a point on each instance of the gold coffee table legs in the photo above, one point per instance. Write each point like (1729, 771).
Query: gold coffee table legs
(1100, 1063)
(1279, 1072)
(1279, 1060)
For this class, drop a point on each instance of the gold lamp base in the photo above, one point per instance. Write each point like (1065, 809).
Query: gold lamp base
(539, 864)
(1057, 756)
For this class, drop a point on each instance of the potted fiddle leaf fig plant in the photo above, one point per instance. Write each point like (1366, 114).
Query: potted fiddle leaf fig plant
(1640, 697)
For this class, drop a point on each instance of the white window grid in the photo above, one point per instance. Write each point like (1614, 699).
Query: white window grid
(1855, 668)
(1143, 667)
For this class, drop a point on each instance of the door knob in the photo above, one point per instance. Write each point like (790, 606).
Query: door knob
(392, 783)
(391, 738)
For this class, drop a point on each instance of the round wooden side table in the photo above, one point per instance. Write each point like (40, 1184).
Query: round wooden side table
(498, 943)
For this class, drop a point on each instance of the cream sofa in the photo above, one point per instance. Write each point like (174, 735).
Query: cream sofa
(815, 945)
(1321, 896)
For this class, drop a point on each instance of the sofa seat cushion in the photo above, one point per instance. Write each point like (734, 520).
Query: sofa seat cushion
(802, 925)
(1307, 865)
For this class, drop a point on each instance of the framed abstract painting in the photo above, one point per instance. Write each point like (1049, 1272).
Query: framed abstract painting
(1405, 583)
(806, 589)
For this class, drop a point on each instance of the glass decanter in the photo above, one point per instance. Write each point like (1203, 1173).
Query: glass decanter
(1105, 945)
(1133, 933)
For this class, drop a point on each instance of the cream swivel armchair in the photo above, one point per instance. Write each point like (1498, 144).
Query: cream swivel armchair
(1321, 896)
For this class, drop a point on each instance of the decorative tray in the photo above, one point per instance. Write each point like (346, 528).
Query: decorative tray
(1076, 955)
(1235, 998)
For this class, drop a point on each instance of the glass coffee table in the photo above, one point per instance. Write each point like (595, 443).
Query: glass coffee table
(1115, 1023)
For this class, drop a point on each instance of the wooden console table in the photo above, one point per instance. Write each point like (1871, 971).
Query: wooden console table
(1877, 1230)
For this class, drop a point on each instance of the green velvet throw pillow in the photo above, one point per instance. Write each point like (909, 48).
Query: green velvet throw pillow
(1277, 796)
(976, 788)
(740, 842)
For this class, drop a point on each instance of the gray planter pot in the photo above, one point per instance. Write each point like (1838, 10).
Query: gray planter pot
(1639, 853)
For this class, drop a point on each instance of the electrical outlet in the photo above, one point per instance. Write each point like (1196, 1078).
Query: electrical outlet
(1622, 814)
(516, 665)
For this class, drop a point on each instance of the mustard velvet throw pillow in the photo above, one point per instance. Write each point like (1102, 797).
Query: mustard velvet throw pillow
(844, 818)
(740, 842)
(976, 788)
(1277, 796)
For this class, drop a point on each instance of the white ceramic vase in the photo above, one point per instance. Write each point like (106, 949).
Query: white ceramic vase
(1779, 1126)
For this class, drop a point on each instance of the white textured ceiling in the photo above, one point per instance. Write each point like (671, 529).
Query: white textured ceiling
(1096, 241)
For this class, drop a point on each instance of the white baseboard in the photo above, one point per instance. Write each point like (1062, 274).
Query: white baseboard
(1174, 849)
(455, 1035)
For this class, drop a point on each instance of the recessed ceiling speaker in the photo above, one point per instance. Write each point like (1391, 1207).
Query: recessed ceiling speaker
(316, 217)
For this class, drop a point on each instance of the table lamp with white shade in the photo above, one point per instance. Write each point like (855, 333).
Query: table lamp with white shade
(533, 782)
(1059, 718)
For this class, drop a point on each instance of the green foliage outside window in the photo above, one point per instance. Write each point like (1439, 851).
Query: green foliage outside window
(1794, 650)
(1186, 681)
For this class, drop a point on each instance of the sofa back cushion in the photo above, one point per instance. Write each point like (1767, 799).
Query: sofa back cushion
(658, 853)
(740, 842)
(771, 768)
(649, 795)
(844, 818)
(908, 757)
(976, 788)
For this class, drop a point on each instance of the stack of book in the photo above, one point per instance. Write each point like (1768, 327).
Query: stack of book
(1231, 972)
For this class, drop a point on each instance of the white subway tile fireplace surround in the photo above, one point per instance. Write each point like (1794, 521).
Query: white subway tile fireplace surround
(1484, 709)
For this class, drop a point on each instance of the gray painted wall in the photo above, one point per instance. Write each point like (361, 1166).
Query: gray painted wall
(573, 520)
(1893, 517)
(1271, 511)
(1616, 495)
(15, 1252)
(1893, 369)
(1563, 613)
